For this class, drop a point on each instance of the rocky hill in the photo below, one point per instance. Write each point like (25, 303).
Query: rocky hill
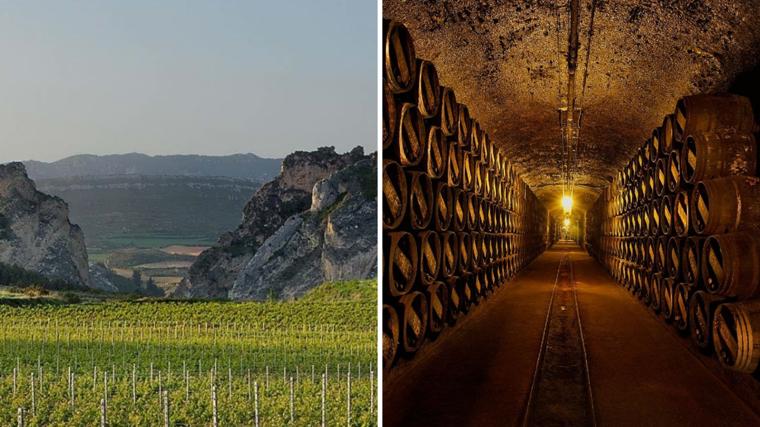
(243, 166)
(315, 222)
(35, 232)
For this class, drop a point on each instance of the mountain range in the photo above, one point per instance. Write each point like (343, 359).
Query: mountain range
(242, 166)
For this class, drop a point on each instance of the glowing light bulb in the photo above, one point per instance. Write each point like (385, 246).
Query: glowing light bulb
(567, 203)
(566, 222)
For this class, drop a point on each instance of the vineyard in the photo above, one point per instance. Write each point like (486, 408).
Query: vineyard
(305, 362)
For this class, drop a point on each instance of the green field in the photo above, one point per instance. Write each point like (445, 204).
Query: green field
(126, 353)
(151, 211)
(112, 242)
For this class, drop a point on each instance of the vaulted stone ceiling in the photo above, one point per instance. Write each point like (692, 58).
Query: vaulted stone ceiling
(504, 60)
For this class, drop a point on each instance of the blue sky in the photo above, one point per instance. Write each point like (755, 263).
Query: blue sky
(200, 77)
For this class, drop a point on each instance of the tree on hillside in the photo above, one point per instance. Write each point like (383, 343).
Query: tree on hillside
(153, 290)
(137, 278)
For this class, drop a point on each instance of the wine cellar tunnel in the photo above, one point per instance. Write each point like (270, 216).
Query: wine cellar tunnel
(571, 213)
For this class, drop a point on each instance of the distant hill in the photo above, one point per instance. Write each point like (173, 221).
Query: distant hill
(243, 166)
(151, 211)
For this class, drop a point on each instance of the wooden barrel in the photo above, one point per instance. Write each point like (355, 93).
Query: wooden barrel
(499, 219)
(390, 335)
(476, 250)
(399, 59)
(465, 252)
(456, 305)
(661, 255)
(701, 309)
(647, 185)
(666, 136)
(436, 153)
(655, 291)
(503, 273)
(390, 116)
(674, 257)
(411, 136)
(484, 285)
(464, 127)
(438, 306)
(681, 307)
(428, 89)
(488, 153)
(666, 215)
(667, 299)
(449, 254)
(401, 262)
(627, 200)
(640, 251)
(692, 261)
(646, 220)
(478, 184)
(473, 204)
(492, 278)
(654, 217)
(449, 112)
(715, 154)
(395, 195)
(496, 162)
(640, 162)
(454, 165)
(681, 223)
(654, 146)
(628, 173)
(661, 177)
(443, 206)
(414, 320)
(639, 196)
(487, 249)
(430, 256)
(726, 205)
(674, 171)
(459, 221)
(468, 174)
(465, 291)
(420, 200)
(482, 214)
(700, 113)
(646, 150)
(476, 287)
(642, 280)
(638, 222)
(730, 265)
(483, 156)
(476, 137)
(736, 335)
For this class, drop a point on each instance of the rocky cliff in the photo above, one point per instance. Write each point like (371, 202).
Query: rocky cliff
(35, 232)
(315, 222)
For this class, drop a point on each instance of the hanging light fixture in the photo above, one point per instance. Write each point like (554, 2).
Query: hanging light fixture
(567, 203)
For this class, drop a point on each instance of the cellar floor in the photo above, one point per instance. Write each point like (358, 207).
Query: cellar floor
(480, 373)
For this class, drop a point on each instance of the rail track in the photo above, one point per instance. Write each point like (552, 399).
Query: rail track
(560, 393)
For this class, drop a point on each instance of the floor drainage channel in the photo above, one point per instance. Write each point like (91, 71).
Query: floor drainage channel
(561, 390)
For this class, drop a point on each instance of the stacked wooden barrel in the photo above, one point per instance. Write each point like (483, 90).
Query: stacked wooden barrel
(458, 221)
(679, 226)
